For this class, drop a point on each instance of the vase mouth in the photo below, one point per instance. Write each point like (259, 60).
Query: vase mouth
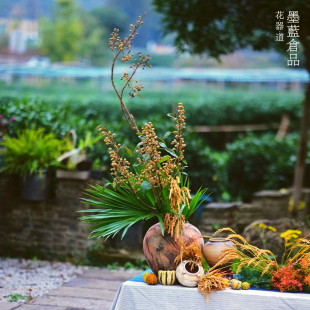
(218, 239)
(188, 268)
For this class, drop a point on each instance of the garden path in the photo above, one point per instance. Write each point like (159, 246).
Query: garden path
(93, 290)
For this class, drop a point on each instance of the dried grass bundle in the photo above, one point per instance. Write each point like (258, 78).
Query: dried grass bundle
(174, 225)
(212, 281)
(250, 256)
(191, 252)
(178, 197)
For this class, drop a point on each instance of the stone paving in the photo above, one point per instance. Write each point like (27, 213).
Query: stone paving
(93, 290)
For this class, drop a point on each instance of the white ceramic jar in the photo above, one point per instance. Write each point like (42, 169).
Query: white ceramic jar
(187, 276)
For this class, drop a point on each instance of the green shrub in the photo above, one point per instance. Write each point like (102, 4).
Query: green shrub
(261, 162)
(251, 163)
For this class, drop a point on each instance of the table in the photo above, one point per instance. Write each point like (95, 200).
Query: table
(137, 295)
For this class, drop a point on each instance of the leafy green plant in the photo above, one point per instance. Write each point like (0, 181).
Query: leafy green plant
(253, 277)
(138, 264)
(73, 155)
(96, 164)
(261, 162)
(15, 297)
(119, 208)
(31, 151)
(114, 265)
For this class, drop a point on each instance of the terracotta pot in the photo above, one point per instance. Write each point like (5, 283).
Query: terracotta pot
(212, 250)
(160, 251)
(188, 276)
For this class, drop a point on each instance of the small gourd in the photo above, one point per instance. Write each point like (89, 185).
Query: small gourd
(245, 285)
(145, 275)
(226, 281)
(166, 277)
(235, 284)
(151, 279)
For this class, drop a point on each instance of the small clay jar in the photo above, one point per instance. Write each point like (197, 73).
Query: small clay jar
(188, 276)
(212, 250)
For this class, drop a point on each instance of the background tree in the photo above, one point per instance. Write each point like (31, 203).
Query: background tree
(72, 34)
(109, 17)
(93, 46)
(221, 27)
(61, 37)
(132, 9)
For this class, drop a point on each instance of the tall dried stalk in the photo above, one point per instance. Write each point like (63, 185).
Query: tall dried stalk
(122, 47)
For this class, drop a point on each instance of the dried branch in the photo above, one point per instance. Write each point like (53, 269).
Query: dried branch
(117, 44)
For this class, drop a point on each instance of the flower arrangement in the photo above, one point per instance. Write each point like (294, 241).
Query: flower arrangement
(156, 184)
(292, 275)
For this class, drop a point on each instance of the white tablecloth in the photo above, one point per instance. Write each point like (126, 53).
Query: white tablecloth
(141, 296)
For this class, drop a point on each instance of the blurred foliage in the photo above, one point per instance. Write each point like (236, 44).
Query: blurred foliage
(109, 17)
(151, 30)
(250, 163)
(256, 163)
(13, 297)
(76, 34)
(93, 45)
(252, 276)
(61, 37)
(102, 254)
(230, 25)
(30, 151)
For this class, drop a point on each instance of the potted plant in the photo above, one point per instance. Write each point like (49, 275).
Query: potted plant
(75, 163)
(156, 185)
(29, 155)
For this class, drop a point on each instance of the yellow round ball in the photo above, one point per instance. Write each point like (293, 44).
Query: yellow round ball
(235, 285)
(245, 285)
(145, 275)
(226, 281)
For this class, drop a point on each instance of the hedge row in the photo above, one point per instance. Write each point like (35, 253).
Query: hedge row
(249, 164)
(203, 107)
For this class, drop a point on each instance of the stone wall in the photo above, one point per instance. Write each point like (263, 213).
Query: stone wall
(51, 229)
(45, 229)
(270, 205)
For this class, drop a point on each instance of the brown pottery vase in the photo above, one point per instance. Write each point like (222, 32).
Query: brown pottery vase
(160, 251)
(212, 250)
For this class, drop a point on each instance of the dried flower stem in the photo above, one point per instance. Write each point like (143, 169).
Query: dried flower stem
(117, 43)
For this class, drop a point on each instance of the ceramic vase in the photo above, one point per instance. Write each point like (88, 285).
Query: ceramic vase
(187, 275)
(212, 250)
(161, 250)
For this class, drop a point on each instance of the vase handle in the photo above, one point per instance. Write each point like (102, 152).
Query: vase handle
(184, 263)
(198, 274)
